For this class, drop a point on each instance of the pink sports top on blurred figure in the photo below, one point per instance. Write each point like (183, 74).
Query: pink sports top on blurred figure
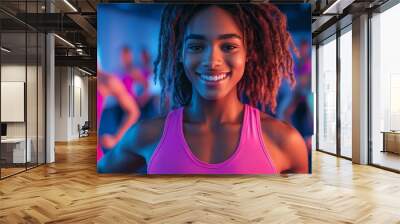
(173, 155)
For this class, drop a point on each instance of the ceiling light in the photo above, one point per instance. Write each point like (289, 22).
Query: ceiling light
(337, 7)
(65, 41)
(326, 11)
(70, 5)
(5, 50)
(84, 71)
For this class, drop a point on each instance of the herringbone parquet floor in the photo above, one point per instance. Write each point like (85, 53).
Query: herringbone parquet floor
(70, 191)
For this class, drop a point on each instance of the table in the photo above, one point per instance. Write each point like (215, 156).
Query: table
(391, 141)
(13, 150)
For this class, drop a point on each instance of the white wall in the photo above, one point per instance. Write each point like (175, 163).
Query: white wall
(61, 103)
(80, 102)
(13, 73)
(16, 73)
(71, 93)
(33, 126)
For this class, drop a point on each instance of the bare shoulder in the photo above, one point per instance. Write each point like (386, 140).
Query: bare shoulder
(275, 129)
(287, 146)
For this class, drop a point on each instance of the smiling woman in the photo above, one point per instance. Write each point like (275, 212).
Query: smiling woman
(213, 54)
(210, 57)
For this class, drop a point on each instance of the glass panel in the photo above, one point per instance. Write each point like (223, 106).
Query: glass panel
(23, 82)
(13, 86)
(31, 97)
(314, 90)
(346, 94)
(327, 96)
(31, 86)
(385, 86)
(41, 98)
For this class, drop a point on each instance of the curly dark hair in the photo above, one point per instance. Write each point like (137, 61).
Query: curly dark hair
(267, 41)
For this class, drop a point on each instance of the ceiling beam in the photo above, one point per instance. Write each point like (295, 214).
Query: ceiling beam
(86, 26)
(82, 61)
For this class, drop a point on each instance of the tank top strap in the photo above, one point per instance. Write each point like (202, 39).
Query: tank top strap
(251, 123)
(256, 134)
(170, 132)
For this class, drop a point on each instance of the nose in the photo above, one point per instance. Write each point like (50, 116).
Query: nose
(212, 58)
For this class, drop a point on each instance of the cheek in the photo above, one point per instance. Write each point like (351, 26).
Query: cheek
(191, 61)
(237, 63)
(189, 65)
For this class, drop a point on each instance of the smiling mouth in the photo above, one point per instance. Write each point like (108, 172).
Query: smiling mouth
(213, 77)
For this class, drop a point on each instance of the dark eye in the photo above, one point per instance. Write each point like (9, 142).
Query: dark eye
(229, 47)
(195, 47)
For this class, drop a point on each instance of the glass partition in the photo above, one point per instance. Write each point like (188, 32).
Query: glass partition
(327, 95)
(22, 77)
(41, 86)
(314, 91)
(385, 89)
(31, 98)
(346, 93)
(13, 105)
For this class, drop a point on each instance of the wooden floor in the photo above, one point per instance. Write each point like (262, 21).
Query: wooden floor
(10, 171)
(387, 159)
(70, 191)
(5, 172)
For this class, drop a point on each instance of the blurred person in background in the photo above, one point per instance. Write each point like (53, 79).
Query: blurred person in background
(149, 106)
(109, 87)
(299, 111)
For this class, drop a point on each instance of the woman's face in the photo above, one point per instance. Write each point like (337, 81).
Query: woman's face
(126, 58)
(213, 53)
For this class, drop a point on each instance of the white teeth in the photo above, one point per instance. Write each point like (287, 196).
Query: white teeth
(213, 78)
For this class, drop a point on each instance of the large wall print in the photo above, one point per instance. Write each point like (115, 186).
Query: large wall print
(204, 88)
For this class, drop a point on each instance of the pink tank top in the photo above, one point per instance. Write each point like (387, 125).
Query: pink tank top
(100, 102)
(173, 155)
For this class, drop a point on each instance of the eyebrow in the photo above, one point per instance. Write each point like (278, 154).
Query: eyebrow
(220, 37)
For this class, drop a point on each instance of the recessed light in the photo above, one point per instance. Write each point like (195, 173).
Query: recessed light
(70, 5)
(84, 71)
(64, 40)
(5, 50)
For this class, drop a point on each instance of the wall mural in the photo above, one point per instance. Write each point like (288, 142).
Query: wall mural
(204, 88)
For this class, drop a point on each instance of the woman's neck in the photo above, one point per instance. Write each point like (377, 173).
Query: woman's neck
(228, 109)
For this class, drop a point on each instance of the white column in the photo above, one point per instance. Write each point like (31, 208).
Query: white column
(50, 93)
(360, 90)
(50, 109)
